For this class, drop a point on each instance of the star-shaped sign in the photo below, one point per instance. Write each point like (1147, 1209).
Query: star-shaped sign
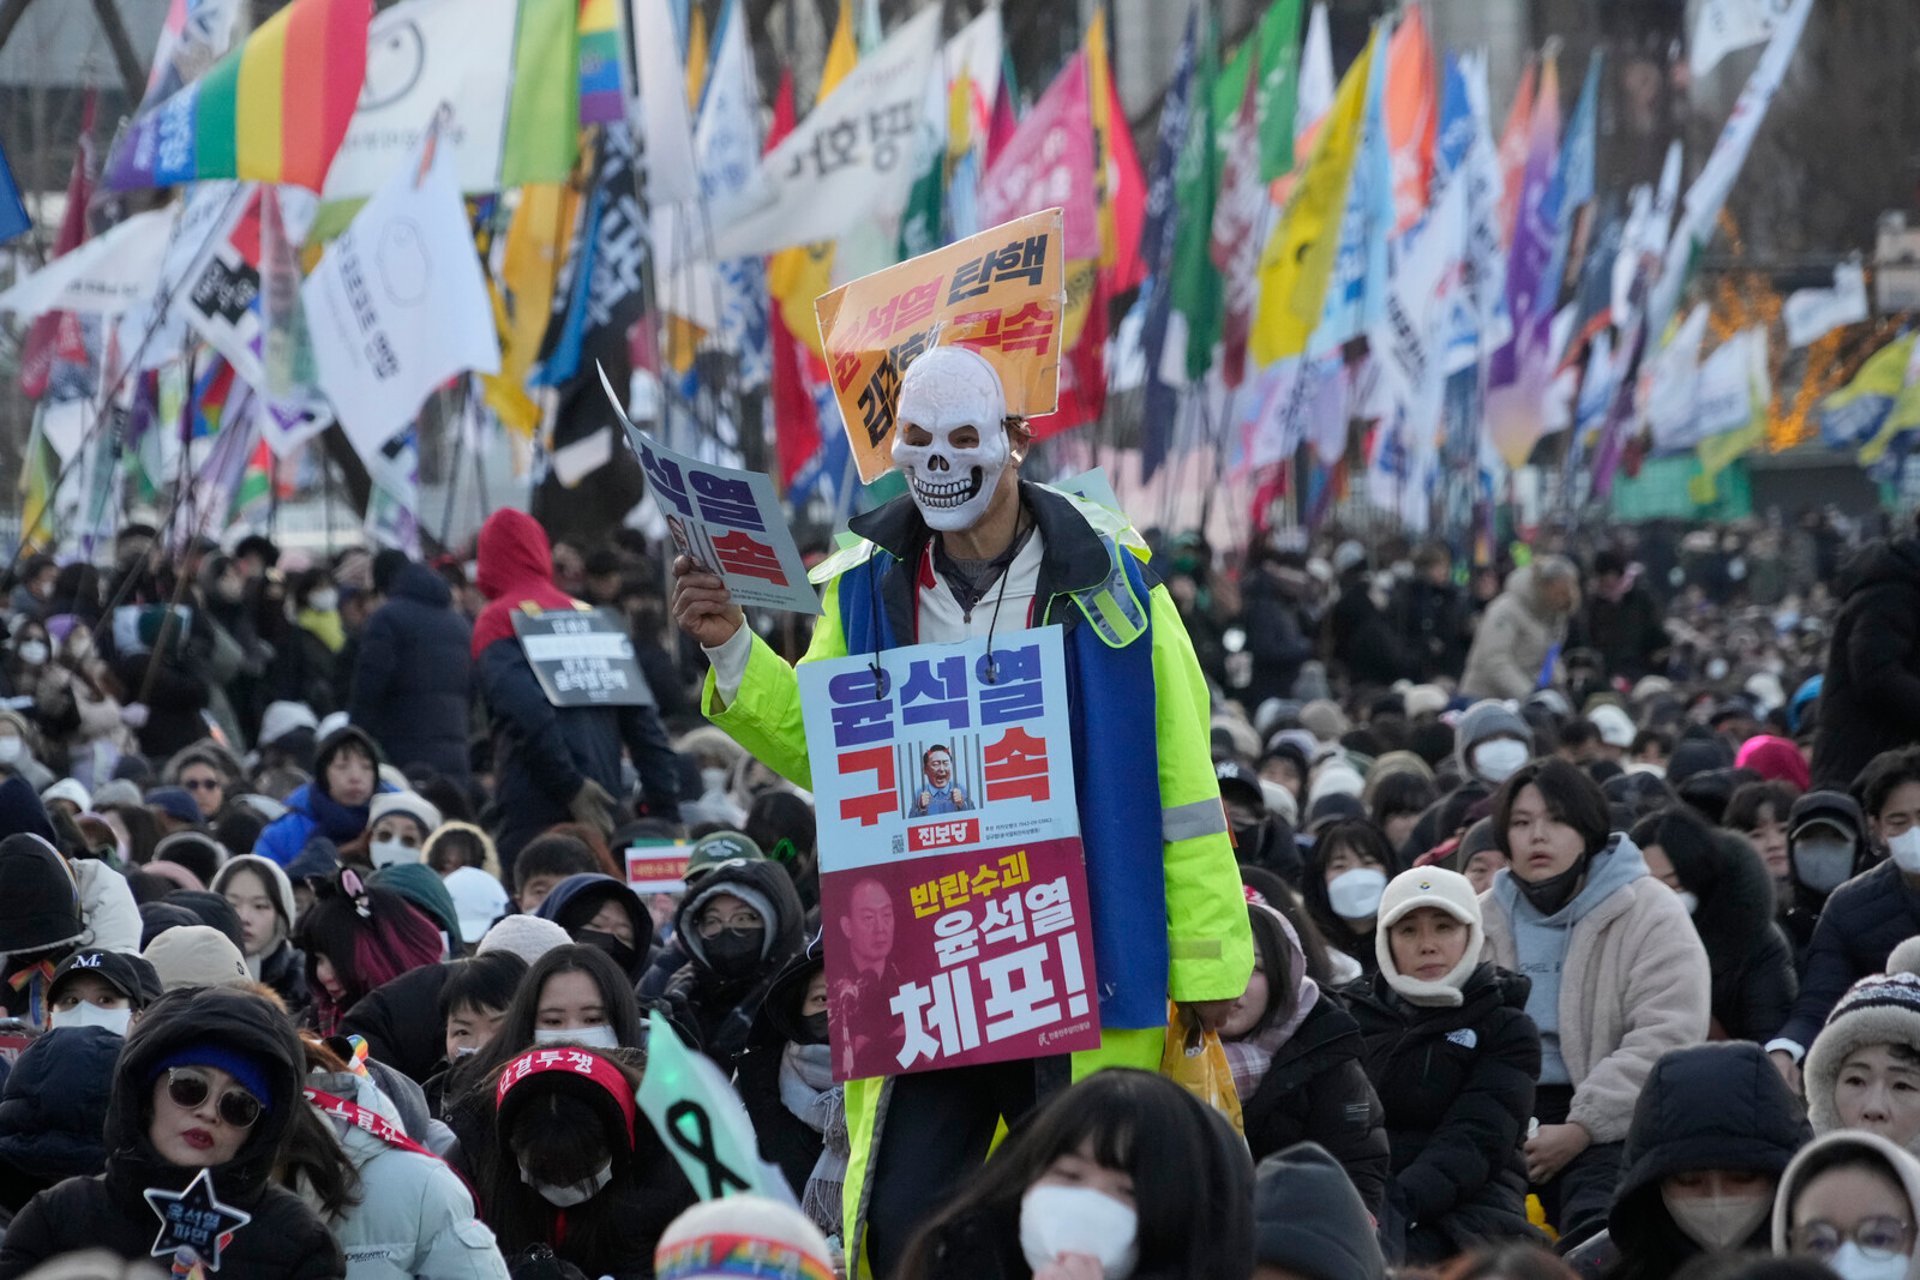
(194, 1225)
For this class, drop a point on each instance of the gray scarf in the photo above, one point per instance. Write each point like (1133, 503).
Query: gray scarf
(807, 1089)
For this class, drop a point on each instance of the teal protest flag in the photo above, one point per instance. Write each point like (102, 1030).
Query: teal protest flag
(702, 1121)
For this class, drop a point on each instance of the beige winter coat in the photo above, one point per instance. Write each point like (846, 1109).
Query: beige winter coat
(1634, 984)
(1511, 645)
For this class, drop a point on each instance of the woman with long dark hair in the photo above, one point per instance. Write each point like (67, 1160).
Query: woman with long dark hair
(356, 937)
(1347, 871)
(1125, 1169)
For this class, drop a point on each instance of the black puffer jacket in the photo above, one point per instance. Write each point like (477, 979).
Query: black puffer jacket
(1457, 1085)
(1864, 920)
(400, 1020)
(1754, 983)
(1710, 1106)
(1315, 1090)
(717, 1011)
(413, 675)
(1628, 632)
(1870, 699)
(284, 1239)
(53, 1110)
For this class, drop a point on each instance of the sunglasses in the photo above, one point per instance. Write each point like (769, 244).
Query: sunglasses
(189, 1089)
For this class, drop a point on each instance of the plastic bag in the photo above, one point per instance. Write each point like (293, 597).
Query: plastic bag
(1194, 1060)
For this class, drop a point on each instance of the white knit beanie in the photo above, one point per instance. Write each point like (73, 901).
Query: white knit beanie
(1444, 890)
(742, 1235)
(1334, 778)
(528, 937)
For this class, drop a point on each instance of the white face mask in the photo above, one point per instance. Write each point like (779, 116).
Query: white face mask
(577, 1193)
(945, 390)
(1904, 849)
(33, 652)
(11, 750)
(1718, 1222)
(1500, 759)
(1355, 894)
(1850, 1262)
(600, 1037)
(391, 853)
(713, 779)
(1823, 865)
(88, 1014)
(324, 601)
(1056, 1220)
(1689, 900)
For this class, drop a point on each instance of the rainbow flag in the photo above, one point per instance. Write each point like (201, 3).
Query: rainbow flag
(601, 101)
(273, 110)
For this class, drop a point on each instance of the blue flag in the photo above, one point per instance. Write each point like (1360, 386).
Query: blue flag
(1156, 250)
(14, 221)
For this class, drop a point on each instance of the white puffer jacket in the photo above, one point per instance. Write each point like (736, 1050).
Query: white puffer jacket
(106, 902)
(415, 1217)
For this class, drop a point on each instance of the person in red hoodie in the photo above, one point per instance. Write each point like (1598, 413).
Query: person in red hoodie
(551, 764)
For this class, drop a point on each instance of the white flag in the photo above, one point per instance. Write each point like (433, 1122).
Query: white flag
(421, 53)
(105, 275)
(1723, 398)
(1671, 382)
(1811, 314)
(1725, 25)
(660, 111)
(849, 160)
(1710, 189)
(397, 304)
(1313, 97)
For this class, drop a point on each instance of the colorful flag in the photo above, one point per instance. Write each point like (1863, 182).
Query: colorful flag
(796, 420)
(1050, 161)
(1851, 416)
(14, 221)
(1122, 188)
(36, 353)
(698, 56)
(37, 480)
(1239, 226)
(1157, 240)
(1513, 149)
(601, 99)
(1196, 283)
(1357, 289)
(530, 267)
(727, 146)
(1519, 371)
(1411, 112)
(1465, 153)
(274, 110)
(194, 35)
(796, 276)
(1278, 42)
(509, 69)
(1298, 259)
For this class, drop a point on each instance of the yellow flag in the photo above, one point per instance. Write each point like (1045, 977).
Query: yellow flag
(522, 302)
(1717, 453)
(1298, 259)
(696, 57)
(36, 491)
(796, 276)
(1099, 76)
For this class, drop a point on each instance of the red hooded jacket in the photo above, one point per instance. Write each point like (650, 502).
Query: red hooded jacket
(515, 569)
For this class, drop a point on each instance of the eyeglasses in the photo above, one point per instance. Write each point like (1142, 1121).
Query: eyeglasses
(189, 1089)
(1878, 1238)
(200, 784)
(739, 921)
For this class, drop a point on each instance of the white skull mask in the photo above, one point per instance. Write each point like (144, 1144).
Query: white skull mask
(946, 391)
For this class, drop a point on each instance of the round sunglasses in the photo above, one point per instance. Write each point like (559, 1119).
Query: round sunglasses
(189, 1089)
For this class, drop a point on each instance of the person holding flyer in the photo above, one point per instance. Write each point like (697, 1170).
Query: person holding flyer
(973, 551)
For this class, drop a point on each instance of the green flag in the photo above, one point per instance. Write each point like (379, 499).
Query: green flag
(701, 1120)
(1279, 41)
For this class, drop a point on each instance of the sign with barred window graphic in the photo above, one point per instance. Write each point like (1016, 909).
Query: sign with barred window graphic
(952, 886)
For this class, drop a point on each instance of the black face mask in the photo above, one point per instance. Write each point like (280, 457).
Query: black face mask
(732, 953)
(623, 955)
(1250, 841)
(1551, 895)
(816, 1027)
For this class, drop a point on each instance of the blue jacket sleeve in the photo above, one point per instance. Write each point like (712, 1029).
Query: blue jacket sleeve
(373, 671)
(284, 838)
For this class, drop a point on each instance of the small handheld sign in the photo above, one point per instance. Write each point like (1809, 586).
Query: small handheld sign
(194, 1225)
(582, 658)
(701, 1120)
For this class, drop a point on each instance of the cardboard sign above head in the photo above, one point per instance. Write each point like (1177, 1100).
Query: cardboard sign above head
(1001, 293)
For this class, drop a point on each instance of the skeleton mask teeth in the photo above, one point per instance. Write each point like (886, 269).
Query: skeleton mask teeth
(952, 493)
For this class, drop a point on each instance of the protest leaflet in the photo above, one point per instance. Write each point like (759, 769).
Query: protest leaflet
(953, 890)
(726, 519)
(582, 658)
(1002, 292)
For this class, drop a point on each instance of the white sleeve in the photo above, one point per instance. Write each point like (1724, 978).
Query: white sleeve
(729, 661)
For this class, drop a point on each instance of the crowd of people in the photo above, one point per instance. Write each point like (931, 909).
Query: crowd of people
(1583, 904)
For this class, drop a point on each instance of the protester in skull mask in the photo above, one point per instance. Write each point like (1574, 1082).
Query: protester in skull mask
(740, 927)
(599, 911)
(1619, 977)
(1825, 849)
